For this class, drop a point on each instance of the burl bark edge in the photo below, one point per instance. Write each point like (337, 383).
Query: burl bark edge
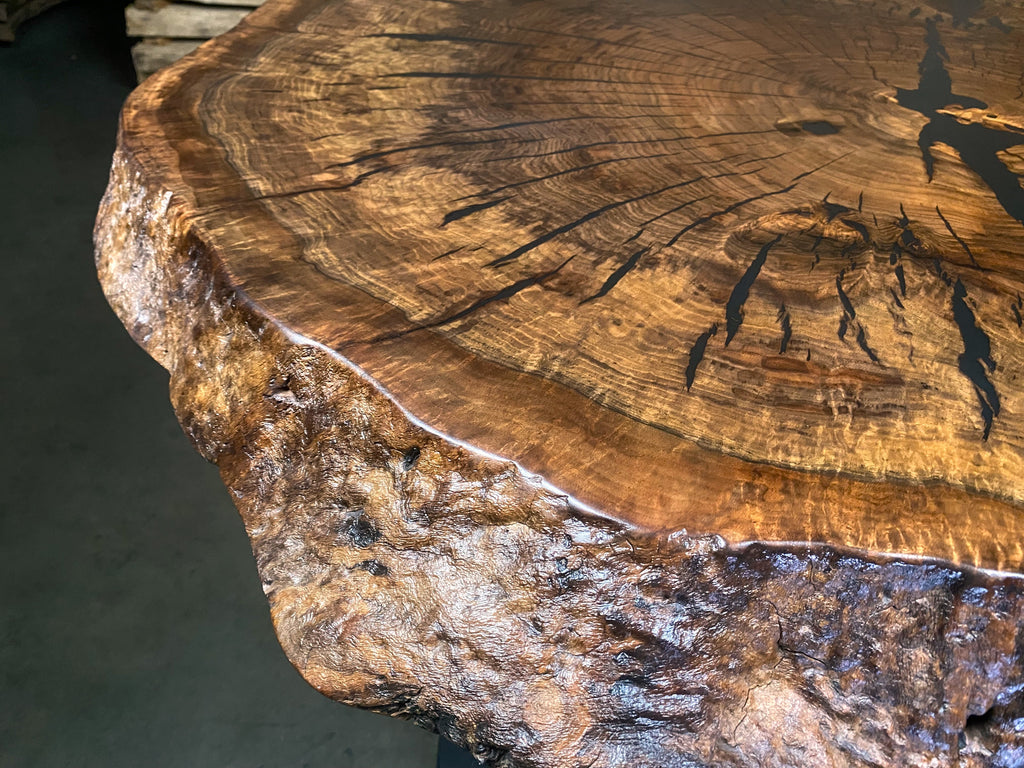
(412, 576)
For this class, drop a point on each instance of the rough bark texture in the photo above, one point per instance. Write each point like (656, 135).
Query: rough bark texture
(411, 572)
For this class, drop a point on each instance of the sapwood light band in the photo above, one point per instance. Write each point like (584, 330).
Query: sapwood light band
(609, 383)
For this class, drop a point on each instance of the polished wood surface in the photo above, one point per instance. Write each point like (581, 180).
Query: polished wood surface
(747, 273)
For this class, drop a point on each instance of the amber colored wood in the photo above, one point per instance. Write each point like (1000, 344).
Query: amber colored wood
(577, 238)
(545, 333)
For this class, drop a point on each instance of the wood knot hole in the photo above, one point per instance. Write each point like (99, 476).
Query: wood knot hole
(359, 529)
(409, 458)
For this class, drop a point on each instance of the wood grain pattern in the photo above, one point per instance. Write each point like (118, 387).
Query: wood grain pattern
(738, 292)
(655, 241)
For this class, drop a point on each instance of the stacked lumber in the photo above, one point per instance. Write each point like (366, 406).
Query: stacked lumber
(170, 30)
(14, 12)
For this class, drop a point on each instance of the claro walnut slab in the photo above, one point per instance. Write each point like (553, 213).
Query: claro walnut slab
(609, 383)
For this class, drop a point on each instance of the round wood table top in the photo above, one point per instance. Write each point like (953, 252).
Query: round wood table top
(705, 266)
(609, 383)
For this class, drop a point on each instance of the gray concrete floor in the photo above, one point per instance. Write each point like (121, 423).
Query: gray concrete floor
(133, 631)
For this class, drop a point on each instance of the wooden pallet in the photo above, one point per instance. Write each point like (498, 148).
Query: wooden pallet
(170, 30)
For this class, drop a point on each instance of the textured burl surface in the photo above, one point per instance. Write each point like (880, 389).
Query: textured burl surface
(531, 338)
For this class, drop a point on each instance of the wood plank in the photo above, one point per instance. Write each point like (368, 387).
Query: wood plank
(182, 21)
(236, 3)
(152, 5)
(152, 55)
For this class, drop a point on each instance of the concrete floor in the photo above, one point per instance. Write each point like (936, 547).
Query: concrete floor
(133, 630)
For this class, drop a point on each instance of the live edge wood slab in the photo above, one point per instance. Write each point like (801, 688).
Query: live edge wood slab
(609, 384)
